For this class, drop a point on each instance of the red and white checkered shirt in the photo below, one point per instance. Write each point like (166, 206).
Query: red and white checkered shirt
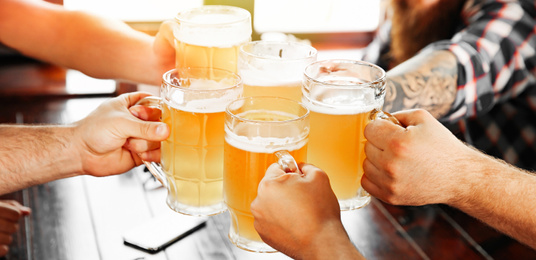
(495, 105)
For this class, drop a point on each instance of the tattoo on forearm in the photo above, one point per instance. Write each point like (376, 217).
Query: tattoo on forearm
(429, 83)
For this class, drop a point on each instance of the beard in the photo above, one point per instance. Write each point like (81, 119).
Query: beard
(416, 24)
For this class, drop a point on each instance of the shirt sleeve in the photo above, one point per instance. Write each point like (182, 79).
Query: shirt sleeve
(495, 55)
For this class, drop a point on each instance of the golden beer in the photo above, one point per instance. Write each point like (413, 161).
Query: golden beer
(210, 36)
(189, 55)
(255, 129)
(191, 160)
(343, 136)
(341, 94)
(192, 156)
(244, 169)
(290, 91)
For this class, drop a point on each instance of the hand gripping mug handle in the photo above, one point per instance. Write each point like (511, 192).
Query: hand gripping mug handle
(287, 162)
(154, 168)
(380, 114)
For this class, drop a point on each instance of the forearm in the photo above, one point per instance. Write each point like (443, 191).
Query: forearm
(35, 155)
(503, 197)
(99, 47)
(334, 243)
(427, 81)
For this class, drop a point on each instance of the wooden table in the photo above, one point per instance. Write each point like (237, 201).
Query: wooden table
(86, 217)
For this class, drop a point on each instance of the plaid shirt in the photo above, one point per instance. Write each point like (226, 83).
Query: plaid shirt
(495, 105)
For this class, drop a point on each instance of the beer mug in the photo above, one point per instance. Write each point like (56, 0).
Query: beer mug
(210, 36)
(193, 103)
(274, 68)
(343, 96)
(259, 131)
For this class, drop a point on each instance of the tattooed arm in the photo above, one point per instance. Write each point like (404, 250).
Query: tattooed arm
(428, 81)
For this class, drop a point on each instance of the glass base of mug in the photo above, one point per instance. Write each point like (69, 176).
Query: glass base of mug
(197, 211)
(250, 245)
(360, 201)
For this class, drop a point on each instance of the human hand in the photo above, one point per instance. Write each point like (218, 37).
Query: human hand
(10, 213)
(164, 48)
(297, 215)
(109, 138)
(420, 164)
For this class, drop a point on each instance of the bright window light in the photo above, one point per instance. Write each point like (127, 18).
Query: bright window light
(133, 10)
(316, 16)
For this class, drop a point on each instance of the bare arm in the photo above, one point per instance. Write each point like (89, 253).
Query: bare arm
(33, 155)
(108, 141)
(425, 163)
(502, 196)
(425, 81)
(99, 47)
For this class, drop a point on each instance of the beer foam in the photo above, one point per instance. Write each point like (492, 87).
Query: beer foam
(208, 84)
(259, 144)
(220, 35)
(202, 101)
(269, 78)
(343, 104)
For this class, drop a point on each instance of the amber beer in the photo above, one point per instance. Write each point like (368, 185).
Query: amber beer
(346, 146)
(193, 106)
(245, 165)
(341, 95)
(255, 129)
(192, 156)
(274, 68)
(210, 36)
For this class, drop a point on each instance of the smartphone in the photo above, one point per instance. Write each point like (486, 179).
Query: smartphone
(158, 233)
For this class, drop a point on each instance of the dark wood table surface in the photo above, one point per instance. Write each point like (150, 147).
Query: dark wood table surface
(85, 217)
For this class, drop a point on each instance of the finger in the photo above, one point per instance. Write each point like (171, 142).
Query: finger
(9, 212)
(130, 99)
(274, 171)
(378, 132)
(4, 249)
(373, 153)
(140, 145)
(375, 174)
(5, 239)
(146, 113)
(370, 186)
(151, 131)
(309, 169)
(151, 156)
(23, 209)
(413, 117)
(8, 227)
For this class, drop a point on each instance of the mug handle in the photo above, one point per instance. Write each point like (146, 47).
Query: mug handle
(287, 162)
(380, 114)
(154, 168)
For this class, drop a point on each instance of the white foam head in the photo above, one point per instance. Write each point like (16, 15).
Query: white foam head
(336, 102)
(263, 144)
(202, 96)
(214, 26)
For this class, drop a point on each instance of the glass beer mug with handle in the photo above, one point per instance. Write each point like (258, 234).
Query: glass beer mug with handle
(210, 35)
(193, 103)
(259, 131)
(343, 96)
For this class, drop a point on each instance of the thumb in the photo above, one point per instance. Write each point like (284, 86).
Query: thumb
(151, 131)
(274, 171)
(413, 117)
